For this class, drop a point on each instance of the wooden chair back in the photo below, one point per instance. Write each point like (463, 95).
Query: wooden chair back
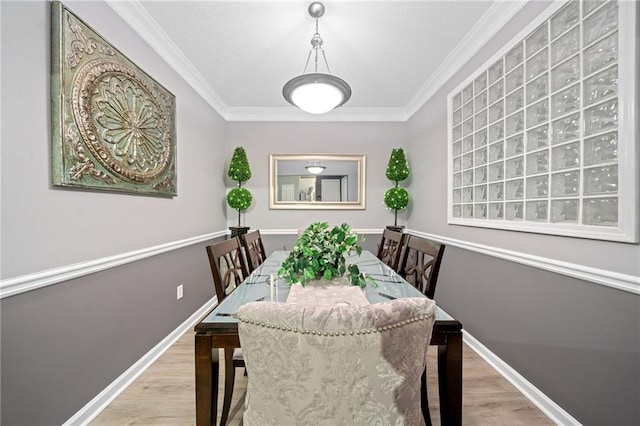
(254, 249)
(421, 264)
(228, 266)
(391, 248)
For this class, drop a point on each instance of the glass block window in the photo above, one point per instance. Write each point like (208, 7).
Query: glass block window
(536, 136)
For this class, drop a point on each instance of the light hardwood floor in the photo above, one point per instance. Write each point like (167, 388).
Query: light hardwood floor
(165, 394)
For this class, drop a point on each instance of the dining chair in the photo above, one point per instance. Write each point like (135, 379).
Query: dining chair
(228, 266)
(391, 248)
(254, 249)
(335, 364)
(229, 269)
(421, 264)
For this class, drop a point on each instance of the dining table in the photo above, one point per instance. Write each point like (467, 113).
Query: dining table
(219, 329)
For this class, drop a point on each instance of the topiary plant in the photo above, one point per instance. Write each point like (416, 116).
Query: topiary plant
(320, 253)
(239, 198)
(397, 198)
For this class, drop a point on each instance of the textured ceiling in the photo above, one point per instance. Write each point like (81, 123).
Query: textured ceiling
(245, 51)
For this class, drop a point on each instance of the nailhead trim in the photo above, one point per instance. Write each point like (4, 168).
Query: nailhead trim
(338, 333)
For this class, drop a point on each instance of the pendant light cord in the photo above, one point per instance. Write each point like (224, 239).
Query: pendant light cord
(316, 44)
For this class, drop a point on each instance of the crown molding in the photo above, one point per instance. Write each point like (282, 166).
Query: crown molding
(137, 17)
(496, 17)
(294, 114)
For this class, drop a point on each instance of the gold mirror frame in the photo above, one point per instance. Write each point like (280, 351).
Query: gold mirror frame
(342, 169)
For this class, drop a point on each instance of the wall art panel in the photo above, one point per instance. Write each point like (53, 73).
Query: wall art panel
(113, 126)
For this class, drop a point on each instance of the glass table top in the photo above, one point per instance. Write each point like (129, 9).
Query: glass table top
(388, 286)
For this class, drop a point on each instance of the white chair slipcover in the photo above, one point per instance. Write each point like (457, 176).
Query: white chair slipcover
(357, 364)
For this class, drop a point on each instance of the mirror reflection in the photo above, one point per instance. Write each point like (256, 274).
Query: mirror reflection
(317, 181)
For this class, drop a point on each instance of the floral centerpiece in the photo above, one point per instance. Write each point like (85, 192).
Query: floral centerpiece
(320, 253)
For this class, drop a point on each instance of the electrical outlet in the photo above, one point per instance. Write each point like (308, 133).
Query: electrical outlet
(180, 292)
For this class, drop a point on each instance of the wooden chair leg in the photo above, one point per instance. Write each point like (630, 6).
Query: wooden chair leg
(424, 400)
(229, 379)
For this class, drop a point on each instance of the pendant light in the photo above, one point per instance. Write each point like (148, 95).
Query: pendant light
(316, 93)
(315, 167)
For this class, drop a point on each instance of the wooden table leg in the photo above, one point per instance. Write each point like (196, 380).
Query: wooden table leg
(206, 382)
(450, 379)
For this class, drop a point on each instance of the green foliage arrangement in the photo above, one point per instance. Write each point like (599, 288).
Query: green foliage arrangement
(239, 167)
(398, 168)
(239, 198)
(397, 198)
(320, 253)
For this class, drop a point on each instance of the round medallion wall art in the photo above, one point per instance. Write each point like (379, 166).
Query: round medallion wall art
(113, 125)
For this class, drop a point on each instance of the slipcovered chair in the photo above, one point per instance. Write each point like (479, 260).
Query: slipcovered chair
(335, 365)
(390, 248)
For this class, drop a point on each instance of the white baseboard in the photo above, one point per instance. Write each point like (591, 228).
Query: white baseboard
(111, 392)
(532, 393)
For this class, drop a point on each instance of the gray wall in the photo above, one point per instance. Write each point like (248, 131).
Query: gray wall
(63, 344)
(286, 242)
(260, 139)
(67, 226)
(578, 342)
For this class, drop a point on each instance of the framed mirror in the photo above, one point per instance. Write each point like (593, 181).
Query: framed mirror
(317, 181)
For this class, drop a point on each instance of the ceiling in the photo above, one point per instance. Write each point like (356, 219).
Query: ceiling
(239, 54)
